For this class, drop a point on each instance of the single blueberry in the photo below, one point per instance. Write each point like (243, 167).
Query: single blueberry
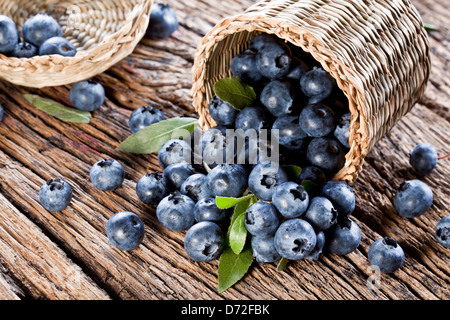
(341, 195)
(206, 209)
(290, 134)
(196, 187)
(125, 230)
(176, 212)
(261, 219)
(163, 21)
(297, 70)
(55, 194)
(1, 112)
(143, 117)
(317, 120)
(107, 174)
(222, 112)
(87, 95)
(58, 45)
(317, 83)
(321, 213)
(344, 237)
(215, 146)
(174, 151)
(204, 241)
(386, 254)
(326, 153)
(342, 131)
(259, 42)
(290, 199)
(251, 118)
(227, 180)
(273, 61)
(152, 188)
(177, 173)
(39, 28)
(314, 174)
(442, 231)
(413, 198)
(9, 36)
(277, 98)
(264, 178)
(424, 158)
(24, 50)
(244, 67)
(264, 249)
(317, 251)
(295, 239)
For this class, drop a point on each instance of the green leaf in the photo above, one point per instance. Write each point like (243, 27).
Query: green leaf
(232, 267)
(292, 171)
(238, 234)
(151, 138)
(235, 92)
(228, 202)
(58, 110)
(282, 264)
(430, 27)
(310, 186)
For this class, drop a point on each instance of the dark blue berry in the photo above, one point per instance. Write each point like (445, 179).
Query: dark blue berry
(317, 251)
(227, 180)
(344, 237)
(55, 194)
(1, 112)
(314, 174)
(163, 21)
(264, 178)
(143, 117)
(317, 83)
(277, 98)
(424, 158)
(58, 45)
(125, 230)
(24, 50)
(317, 120)
(207, 210)
(326, 153)
(442, 231)
(254, 118)
(413, 198)
(204, 241)
(321, 213)
(244, 67)
(273, 61)
(290, 133)
(152, 188)
(87, 95)
(261, 219)
(107, 174)
(39, 28)
(174, 151)
(342, 195)
(259, 42)
(222, 112)
(290, 199)
(215, 147)
(386, 254)
(9, 36)
(176, 212)
(196, 187)
(177, 173)
(295, 239)
(264, 249)
(342, 131)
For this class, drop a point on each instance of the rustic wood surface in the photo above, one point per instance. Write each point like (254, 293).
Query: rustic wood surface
(65, 255)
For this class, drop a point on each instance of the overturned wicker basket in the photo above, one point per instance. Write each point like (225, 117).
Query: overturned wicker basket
(103, 31)
(377, 51)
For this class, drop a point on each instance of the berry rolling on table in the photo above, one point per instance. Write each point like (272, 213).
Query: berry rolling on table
(66, 254)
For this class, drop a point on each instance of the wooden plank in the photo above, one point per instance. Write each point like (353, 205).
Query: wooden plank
(35, 147)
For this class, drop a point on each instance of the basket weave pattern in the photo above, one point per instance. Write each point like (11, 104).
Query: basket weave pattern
(103, 31)
(377, 50)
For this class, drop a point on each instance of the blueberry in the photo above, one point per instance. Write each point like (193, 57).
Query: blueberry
(58, 45)
(204, 241)
(24, 50)
(1, 112)
(176, 212)
(295, 239)
(222, 112)
(39, 28)
(87, 95)
(177, 173)
(264, 178)
(143, 117)
(259, 42)
(342, 131)
(342, 195)
(207, 210)
(174, 151)
(264, 249)
(244, 67)
(227, 180)
(273, 61)
(321, 213)
(317, 251)
(277, 98)
(344, 237)
(125, 230)
(317, 120)
(297, 71)
(424, 158)
(290, 199)
(107, 174)
(413, 198)
(261, 219)
(326, 153)
(314, 174)
(251, 118)
(387, 254)
(442, 231)
(9, 36)
(152, 188)
(55, 194)
(317, 83)
(196, 187)
(214, 146)
(290, 133)
(163, 21)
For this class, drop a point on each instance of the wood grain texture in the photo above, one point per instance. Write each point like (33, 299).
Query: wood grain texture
(52, 246)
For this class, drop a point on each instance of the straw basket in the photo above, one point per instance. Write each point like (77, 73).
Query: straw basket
(103, 31)
(377, 50)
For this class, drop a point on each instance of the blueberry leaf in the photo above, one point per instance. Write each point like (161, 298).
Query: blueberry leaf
(228, 202)
(235, 92)
(430, 27)
(58, 110)
(151, 138)
(237, 234)
(232, 267)
(292, 171)
(282, 264)
(310, 186)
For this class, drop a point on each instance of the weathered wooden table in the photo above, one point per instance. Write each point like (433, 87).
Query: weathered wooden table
(65, 255)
